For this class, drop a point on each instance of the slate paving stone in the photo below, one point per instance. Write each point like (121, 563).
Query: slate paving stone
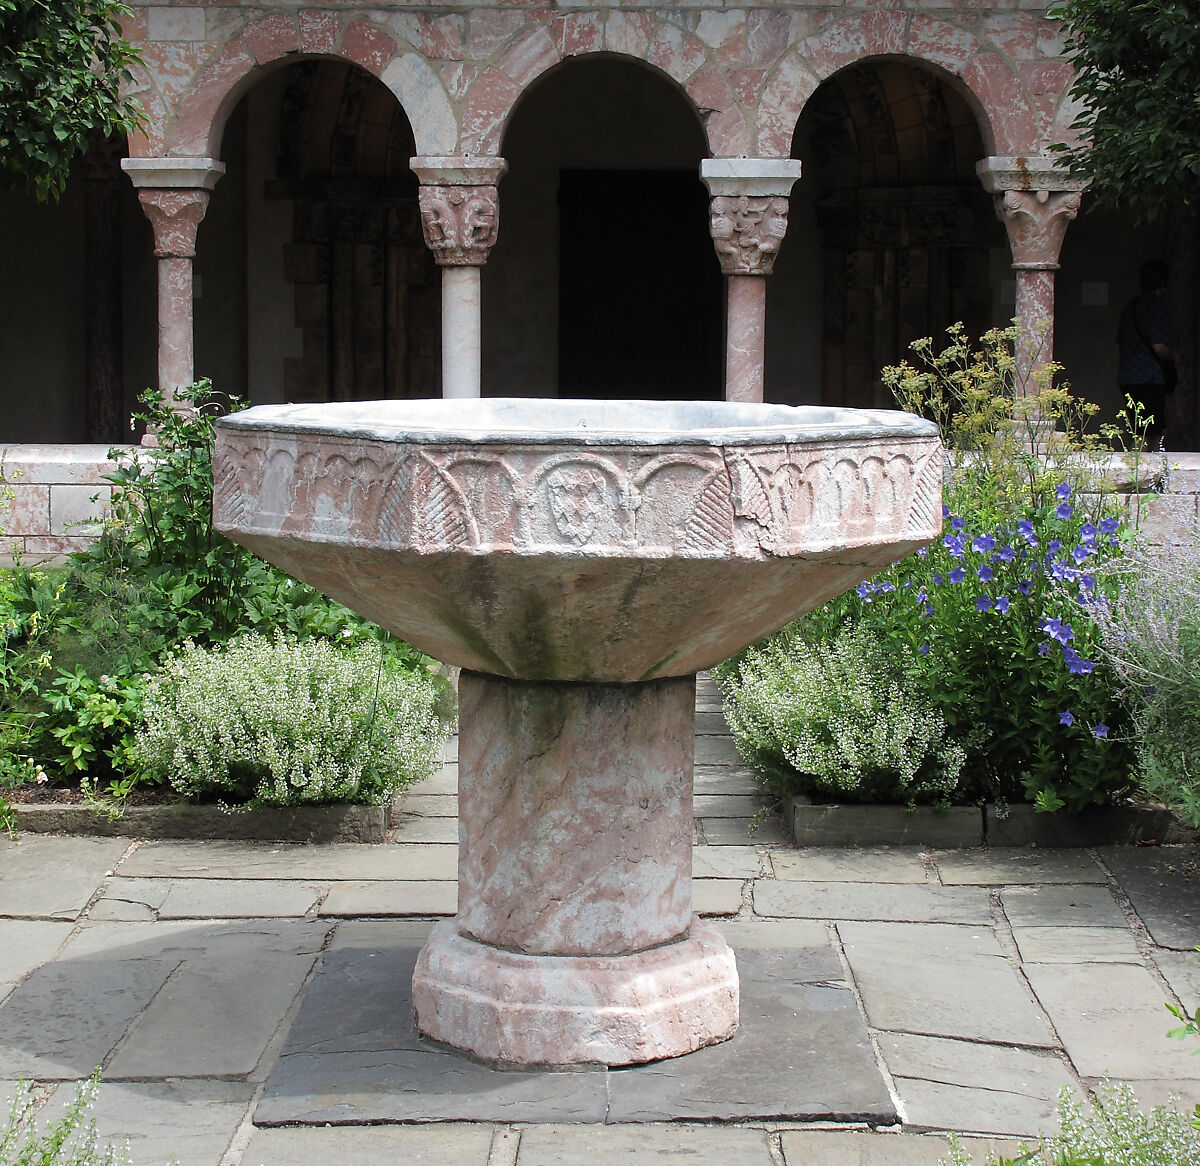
(231, 989)
(353, 1055)
(1102, 1014)
(188, 1122)
(183, 860)
(966, 1085)
(1163, 883)
(727, 805)
(898, 903)
(717, 751)
(1062, 906)
(810, 943)
(711, 723)
(24, 944)
(847, 864)
(801, 1052)
(128, 900)
(559, 1145)
(726, 862)
(716, 896)
(238, 899)
(444, 782)
(996, 867)
(854, 1148)
(725, 779)
(464, 1145)
(1181, 970)
(430, 806)
(46, 877)
(394, 898)
(941, 980)
(1072, 945)
(737, 832)
(412, 828)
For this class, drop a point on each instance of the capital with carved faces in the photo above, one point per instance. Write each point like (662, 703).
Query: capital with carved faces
(748, 210)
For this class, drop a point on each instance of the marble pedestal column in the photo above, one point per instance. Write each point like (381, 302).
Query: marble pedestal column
(575, 940)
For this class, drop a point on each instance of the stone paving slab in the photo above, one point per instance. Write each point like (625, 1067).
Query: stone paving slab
(238, 899)
(559, 1145)
(1062, 906)
(391, 898)
(1181, 970)
(727, 862)
(353, 1055)
(188, 1122)
(26, 944)
(716, 896)
(736, 832)
(966, 1085)
(883, 864)
(411, 828)
(717, 751)
(444, 782)
(854, 1148)
(1103, 1014)
(44, 877)
(462, 1144)
(727, 805)
(998, 867)
(431, 805)
(1163, 883)
(1073, 945)
(801, 1052)
(886, 901)
(232, 860)
(726, 779)
(941, 980)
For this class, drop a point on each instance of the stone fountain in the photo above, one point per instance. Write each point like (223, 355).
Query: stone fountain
(580, 560)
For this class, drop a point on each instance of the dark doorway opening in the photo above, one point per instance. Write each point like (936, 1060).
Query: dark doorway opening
(644, 319)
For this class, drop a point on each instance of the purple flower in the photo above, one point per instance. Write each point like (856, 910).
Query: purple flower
(1025, 586)
(1053, 547)
(924, 649)
(922, 551)
(957, 575)
(1108, 526)
(1044, 649)
(1076, 664)
(1006, 554)
(1066, 717)
(984, 573)
(983, 543)
(1087, 582)
(1087, 533)
(1101, 731)
(1057, 630)
(1064, 511)
(1080, 554)
(956, 545)
(983, 603)
(885, 586)
(1063, 491)
(863, 590)
(945, 510)
(938, 578)
(1002, 605)
(958, 523)
(1025, 530)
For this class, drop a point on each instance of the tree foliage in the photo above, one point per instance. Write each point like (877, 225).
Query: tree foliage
(62, 65)
(1137, 78)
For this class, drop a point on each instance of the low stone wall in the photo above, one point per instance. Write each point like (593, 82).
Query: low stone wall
(59, 495)
(54, 497)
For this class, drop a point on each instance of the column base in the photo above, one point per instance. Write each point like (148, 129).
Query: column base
(575, 1010)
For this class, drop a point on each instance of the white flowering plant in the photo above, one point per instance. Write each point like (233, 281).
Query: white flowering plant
(283, 721)
(834, 718)
(70, 1140)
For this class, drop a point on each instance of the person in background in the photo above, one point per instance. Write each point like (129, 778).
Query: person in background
(1146, 368)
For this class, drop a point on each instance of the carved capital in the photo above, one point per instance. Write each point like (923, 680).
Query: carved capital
(747, 232)
(174, 215)
(1036, 221)
(459, 223)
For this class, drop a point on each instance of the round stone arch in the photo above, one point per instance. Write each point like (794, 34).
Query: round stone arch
(988, 82)
(666, 49)
(197, 124)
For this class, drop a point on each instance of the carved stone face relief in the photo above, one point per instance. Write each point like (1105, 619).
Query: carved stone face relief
(747, 232)
(459, 223)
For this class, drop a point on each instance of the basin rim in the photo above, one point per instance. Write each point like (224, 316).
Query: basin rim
(579, 422)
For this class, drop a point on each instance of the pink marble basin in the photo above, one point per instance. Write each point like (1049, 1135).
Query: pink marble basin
(577, 540)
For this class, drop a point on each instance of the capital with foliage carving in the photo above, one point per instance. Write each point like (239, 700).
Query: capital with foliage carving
(1037, 222)
(174, 216)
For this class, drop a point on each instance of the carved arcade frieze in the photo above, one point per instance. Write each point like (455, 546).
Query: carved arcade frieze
(460, 223)
(705, 503)
(747, 232)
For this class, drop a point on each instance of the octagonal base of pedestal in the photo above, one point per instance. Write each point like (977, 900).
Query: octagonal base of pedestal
(572, 1010)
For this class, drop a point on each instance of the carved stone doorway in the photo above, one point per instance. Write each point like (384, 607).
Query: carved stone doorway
(906, 226)
(365, 286)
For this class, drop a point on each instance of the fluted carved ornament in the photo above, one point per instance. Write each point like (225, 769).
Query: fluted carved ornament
(459, 223)
(174, 216)
(747, 231)
(1036, 221)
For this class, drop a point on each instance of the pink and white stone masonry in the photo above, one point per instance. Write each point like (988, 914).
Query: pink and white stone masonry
(580, 560)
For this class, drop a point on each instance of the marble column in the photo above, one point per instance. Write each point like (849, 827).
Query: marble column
(459, 217)
(174, 194)
(748, 220)
(1035, 200)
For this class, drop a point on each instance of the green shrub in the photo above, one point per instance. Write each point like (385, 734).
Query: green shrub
(1114, 1132)
(834, 717)
(71, 1140)
(1150, 636)
(284, 721)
